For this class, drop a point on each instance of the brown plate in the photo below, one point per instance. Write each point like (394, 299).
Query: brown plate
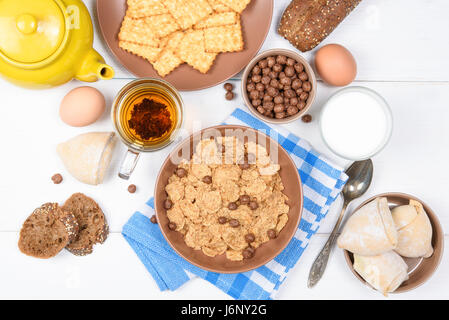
(419, 269)
(267, 251)
(256, 22)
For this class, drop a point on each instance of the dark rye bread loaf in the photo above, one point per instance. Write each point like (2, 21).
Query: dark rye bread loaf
(305, 23)
(93, 226)
(47, 231)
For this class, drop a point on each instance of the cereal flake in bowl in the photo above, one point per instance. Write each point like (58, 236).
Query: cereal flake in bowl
(227, 206)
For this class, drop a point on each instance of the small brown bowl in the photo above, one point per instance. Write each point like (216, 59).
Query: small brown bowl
(290, 54)
(267, 251)
(419, 269)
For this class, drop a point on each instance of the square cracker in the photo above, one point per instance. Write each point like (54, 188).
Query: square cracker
(145, 8)
(134, 31)
(168, 61)
(146, 52)
(192, 51)
(218, 7)
(218, 20)
(161, 25)
(223, 39)
(236, 5)
(188, 12)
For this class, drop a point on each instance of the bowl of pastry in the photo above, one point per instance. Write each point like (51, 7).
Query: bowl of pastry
(228, 199)
(393, 242)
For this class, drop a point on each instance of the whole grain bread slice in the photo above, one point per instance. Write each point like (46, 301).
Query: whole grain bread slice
(93, 225)
(47, 231)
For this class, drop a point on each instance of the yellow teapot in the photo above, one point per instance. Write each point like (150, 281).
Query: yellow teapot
(45, 43)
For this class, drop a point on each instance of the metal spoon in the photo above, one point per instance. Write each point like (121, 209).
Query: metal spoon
(360, 175)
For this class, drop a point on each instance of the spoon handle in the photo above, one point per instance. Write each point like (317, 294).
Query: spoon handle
(319, 266)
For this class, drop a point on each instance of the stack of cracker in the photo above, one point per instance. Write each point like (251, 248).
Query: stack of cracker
(169, 33)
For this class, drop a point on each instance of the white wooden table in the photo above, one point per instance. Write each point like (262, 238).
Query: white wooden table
(402, 52)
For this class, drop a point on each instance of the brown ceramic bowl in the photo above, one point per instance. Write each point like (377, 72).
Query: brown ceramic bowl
(290, 54)
(267, 251)
(419, 269)
(256, 22)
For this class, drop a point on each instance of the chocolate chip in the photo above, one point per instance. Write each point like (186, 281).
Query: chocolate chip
(250, 87)
(307, 87)
(267, 98)
(291, 62)
(277, 68)
(303, 76)
(260, 87)
(244, 199)
(232, 206)
(228, 86)
(207, 179)
(254, 94)
(181, 172)
(292, 110)
(278, 108)
(256, 70)
(293, 101)
(57, 178)
(222, 220)
(261, 109)
(253, 205)
(296, 84)
(256, 102)
(279, 115)
(272, 91)
(304, 96)
(286, 81)
(289, 71)
(153, 219)
(248, 253)
(256, 78)
(229, 95)
(268, 105)
(250, 237)
(234, 223)
(168, 204)
(266, 80)
(132, 188)
(299, 67)
(307, 118)
(172, 226)
(281, 59)
(271, 233)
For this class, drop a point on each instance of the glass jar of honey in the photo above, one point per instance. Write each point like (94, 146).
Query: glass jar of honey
(147, 115)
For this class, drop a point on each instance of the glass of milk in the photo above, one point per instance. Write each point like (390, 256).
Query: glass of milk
(356, 123)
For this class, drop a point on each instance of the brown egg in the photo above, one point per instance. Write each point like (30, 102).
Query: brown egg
(335, 65)
(82, 106)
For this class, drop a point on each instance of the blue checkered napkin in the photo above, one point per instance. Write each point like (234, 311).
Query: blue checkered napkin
(322, 182)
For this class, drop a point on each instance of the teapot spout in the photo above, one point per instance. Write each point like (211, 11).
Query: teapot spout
(94, 68)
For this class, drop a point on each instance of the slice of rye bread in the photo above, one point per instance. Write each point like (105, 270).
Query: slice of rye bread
(47, 231)
(93, 225)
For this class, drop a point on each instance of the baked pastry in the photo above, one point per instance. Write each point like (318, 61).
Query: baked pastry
(305, 23)
(47, 231)
(88, 155)
(370, 230)
(93, 226)
(385, 272)
(414, 230)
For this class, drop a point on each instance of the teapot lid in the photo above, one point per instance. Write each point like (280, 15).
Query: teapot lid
(32, 30)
